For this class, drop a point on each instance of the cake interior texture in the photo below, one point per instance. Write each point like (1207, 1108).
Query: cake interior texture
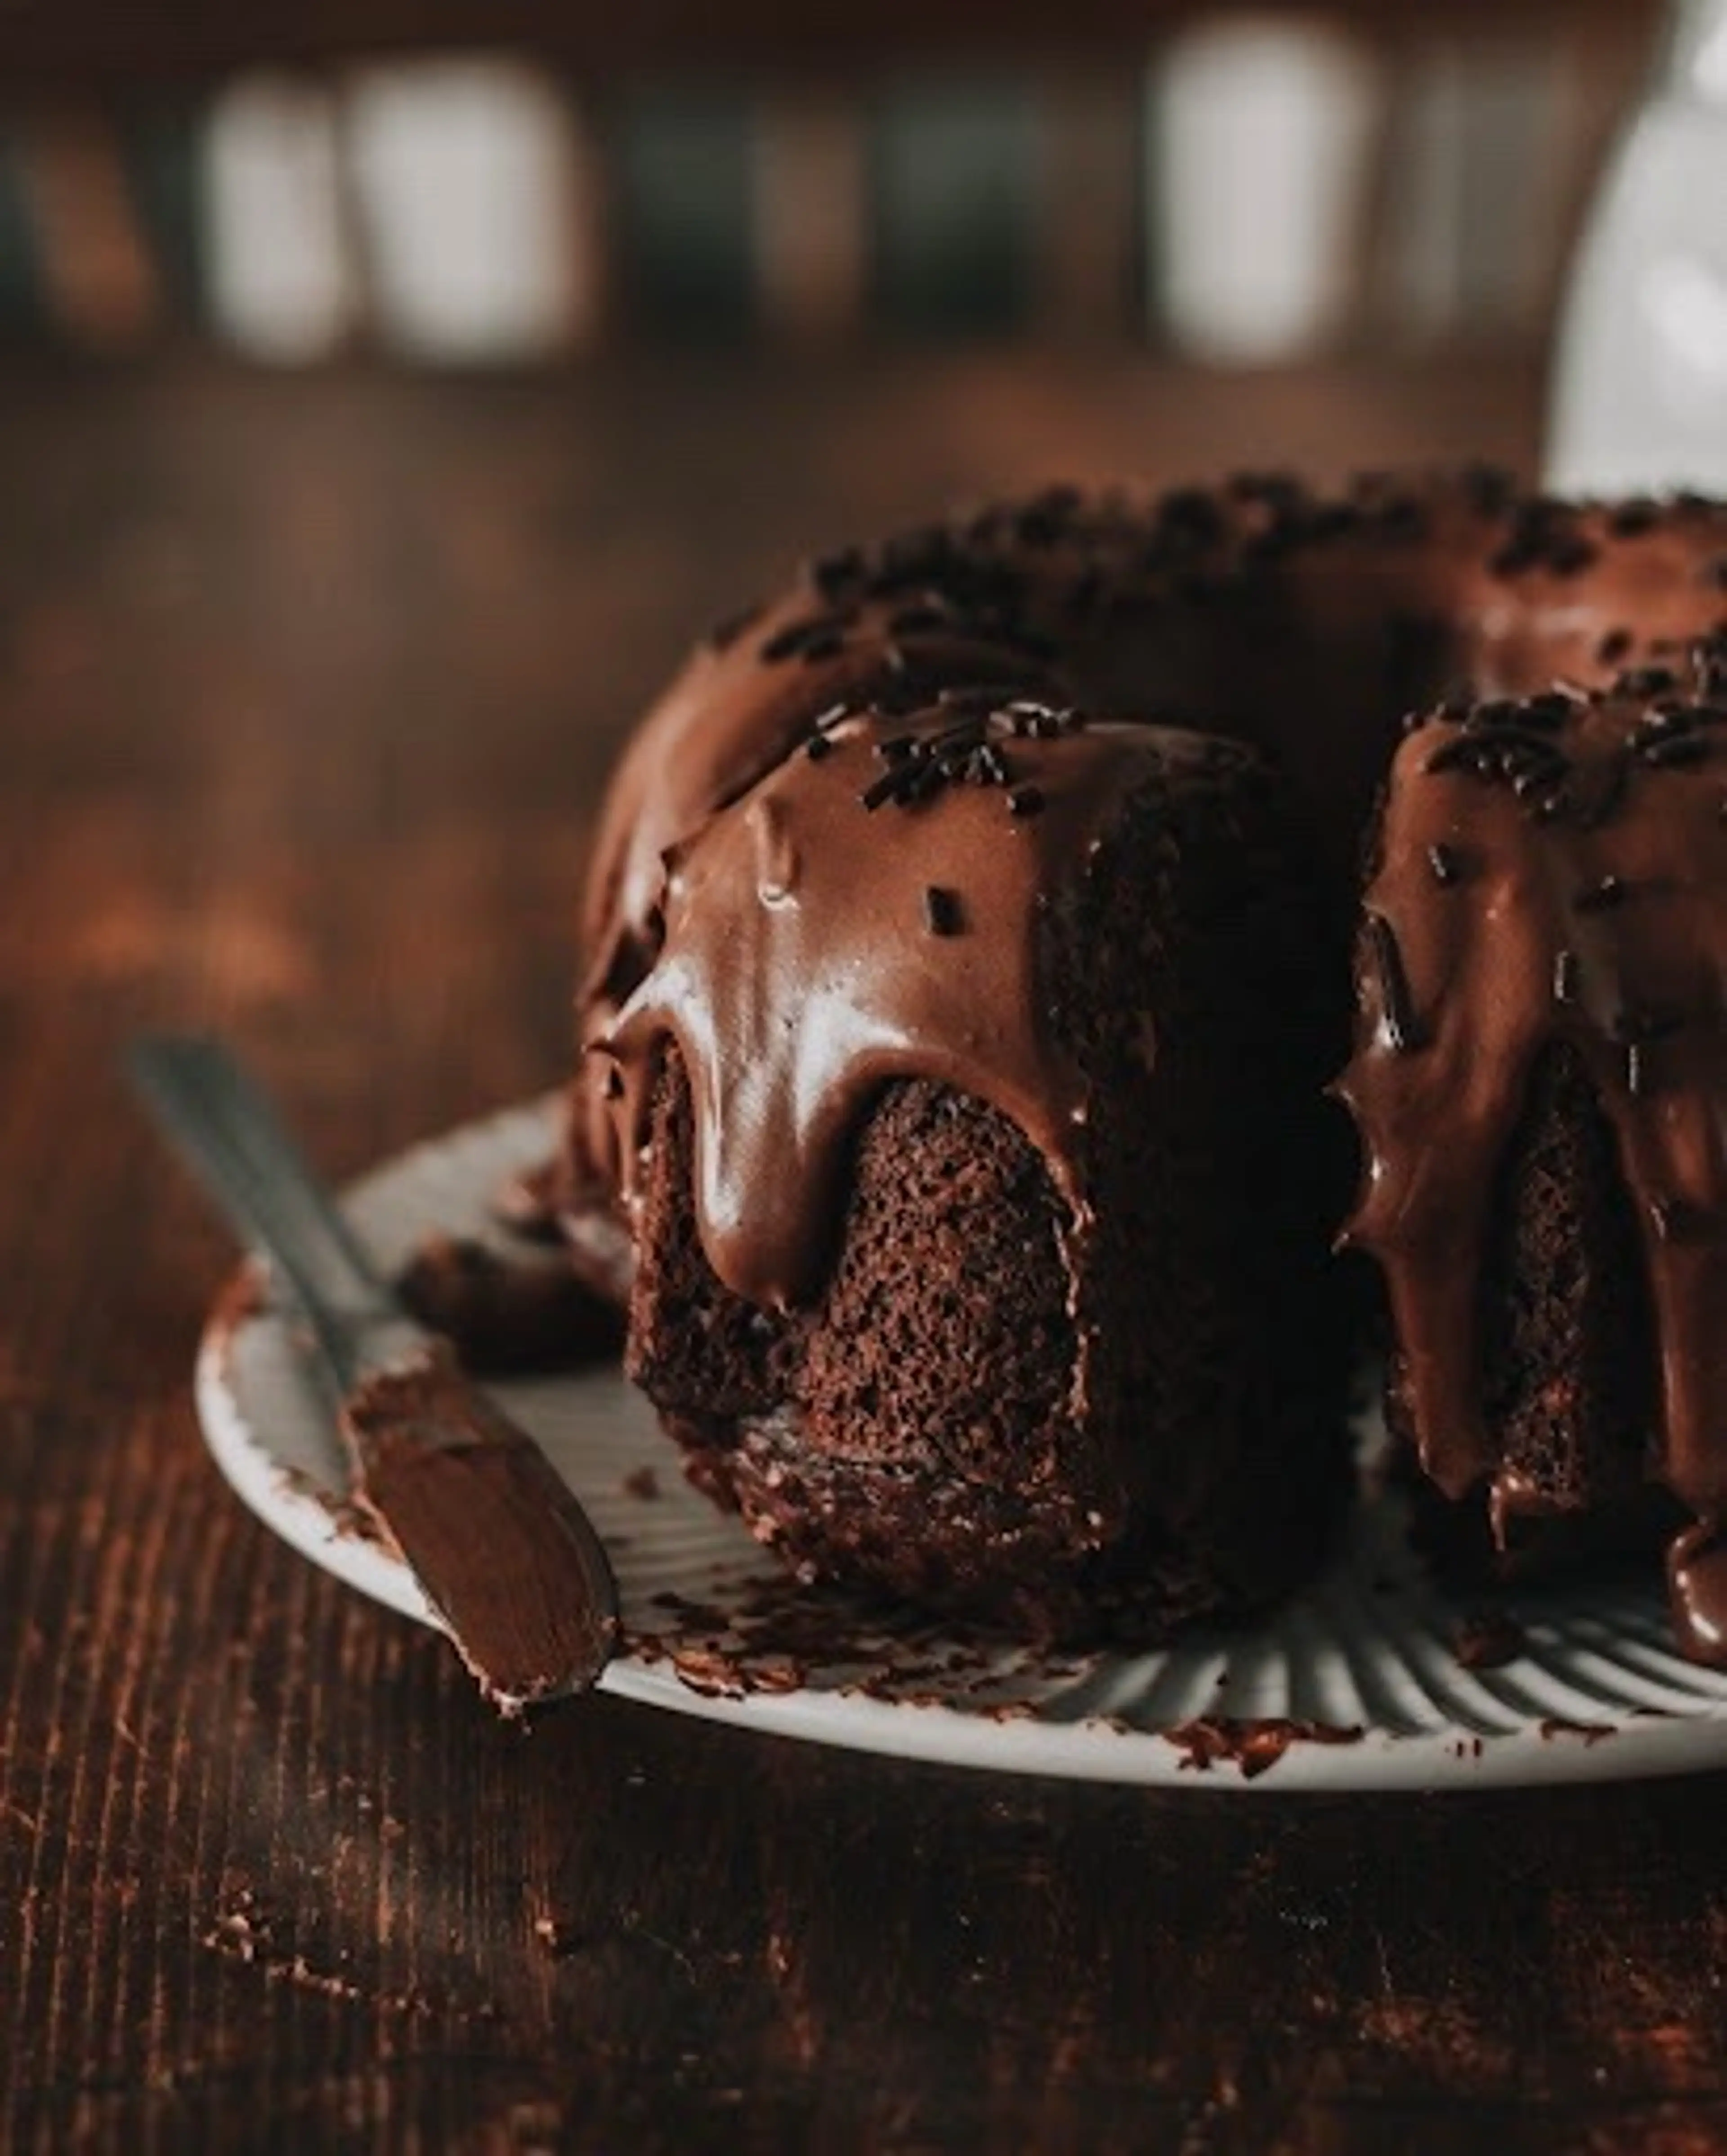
(1123, 1422)
(1540, 1070)
(1568, 1366)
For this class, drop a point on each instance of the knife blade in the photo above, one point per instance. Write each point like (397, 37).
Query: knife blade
(507, 1559)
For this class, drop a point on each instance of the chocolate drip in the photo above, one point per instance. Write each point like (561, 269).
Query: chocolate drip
(1256, 608)
(797, 949)
(1611, 935)
(1299, 623)
(792, 1003)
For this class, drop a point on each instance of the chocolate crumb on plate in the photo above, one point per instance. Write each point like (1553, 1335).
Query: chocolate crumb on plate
(1253, 1746)
(1591, 1732)
(1487, 1640)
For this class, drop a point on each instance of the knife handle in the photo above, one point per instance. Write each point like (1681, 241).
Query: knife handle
(228, 1133)
(501, 1546)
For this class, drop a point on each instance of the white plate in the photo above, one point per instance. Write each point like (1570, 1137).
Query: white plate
(1363, 1663)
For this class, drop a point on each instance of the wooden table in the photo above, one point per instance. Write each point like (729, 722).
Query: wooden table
(305, 691)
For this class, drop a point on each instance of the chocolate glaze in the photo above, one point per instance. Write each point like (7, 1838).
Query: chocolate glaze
(1305, 624)
(1594, 913)
(768, 898)
(801, 972)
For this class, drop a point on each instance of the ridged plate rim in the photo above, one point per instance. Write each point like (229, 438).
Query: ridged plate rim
(1598, 1694)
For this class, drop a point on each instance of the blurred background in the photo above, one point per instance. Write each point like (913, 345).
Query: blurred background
(453, 185)
(391, 390)
(1243, 187)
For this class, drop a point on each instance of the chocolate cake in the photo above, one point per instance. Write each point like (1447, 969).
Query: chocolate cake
(970, 1128)
(961, 984)
(1540, 1081)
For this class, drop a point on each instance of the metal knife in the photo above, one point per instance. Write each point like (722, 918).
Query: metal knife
(506, 1556)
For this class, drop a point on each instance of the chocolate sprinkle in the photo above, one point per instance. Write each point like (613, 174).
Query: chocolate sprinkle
(725, 634)
(965, 748)
(920, 620)
(836, 574)
(1672, 748)
(1446, 862)
(1490, 489)
(942, 914)
(1630, 519)
(1642, 1026)
(1511, 743)
(1646, 681)
(1402, 1028)
(816, 636)
(1676, 1220)
(1570, 554)
(1452, 756)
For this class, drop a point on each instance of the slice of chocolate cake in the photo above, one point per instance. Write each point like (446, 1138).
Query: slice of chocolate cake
(969, 1123)
(1540, 1082)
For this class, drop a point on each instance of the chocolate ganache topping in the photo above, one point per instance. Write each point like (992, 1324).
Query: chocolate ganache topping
(1301, 622)
(845, 847)
(810, 957)
(1554, 869)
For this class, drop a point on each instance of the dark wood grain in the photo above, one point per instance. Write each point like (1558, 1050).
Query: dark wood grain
(305, 691)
